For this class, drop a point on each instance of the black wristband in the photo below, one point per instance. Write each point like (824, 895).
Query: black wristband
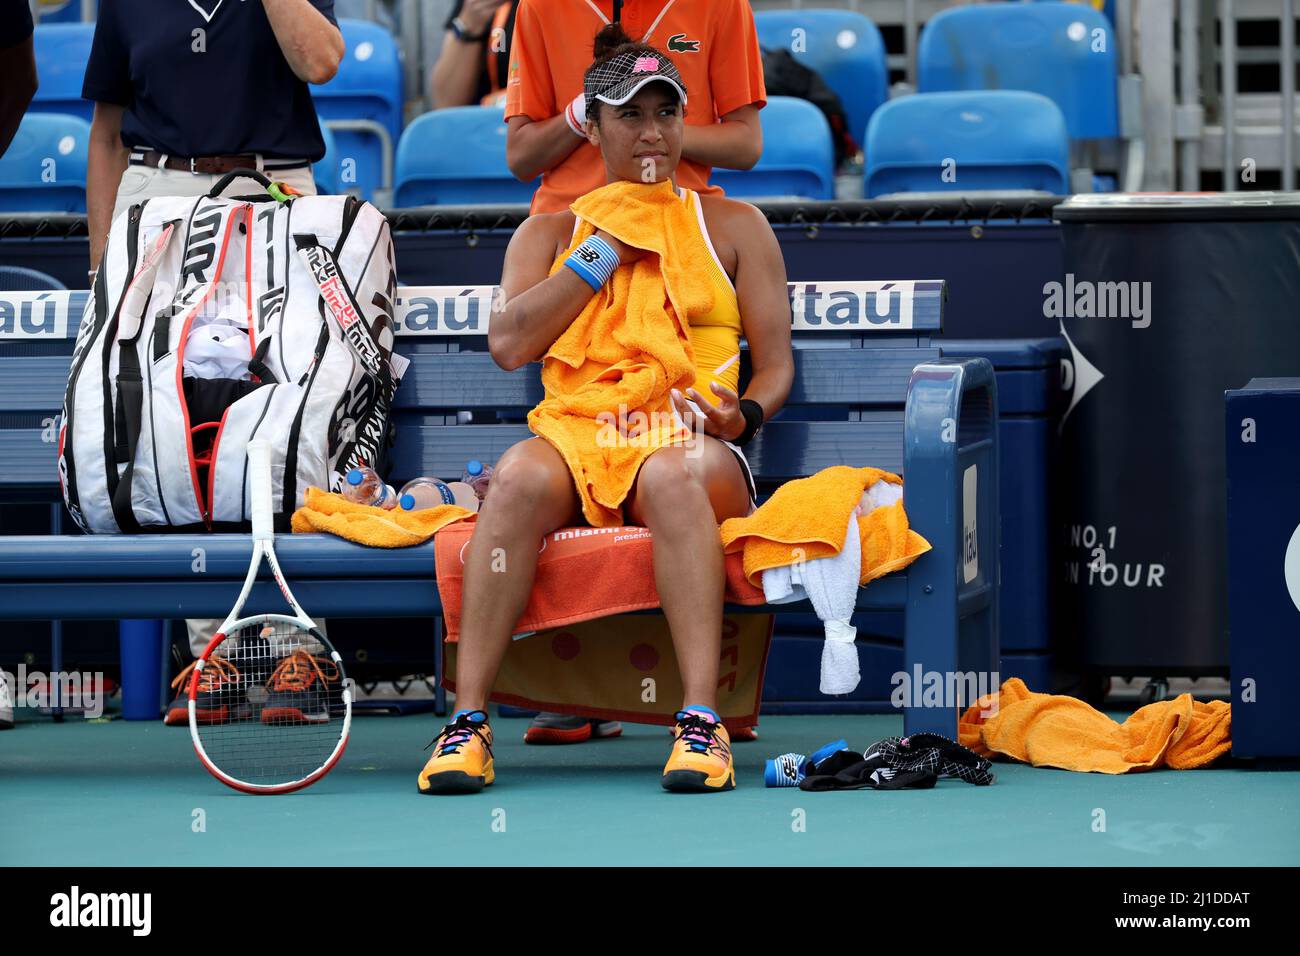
(462, 32)
(753, 413)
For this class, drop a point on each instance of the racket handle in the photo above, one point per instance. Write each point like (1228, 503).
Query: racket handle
(259, 478)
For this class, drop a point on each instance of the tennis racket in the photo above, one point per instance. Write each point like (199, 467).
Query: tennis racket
(270, 707)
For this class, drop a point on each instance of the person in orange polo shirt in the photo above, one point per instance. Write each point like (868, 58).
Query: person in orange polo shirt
(713, 44)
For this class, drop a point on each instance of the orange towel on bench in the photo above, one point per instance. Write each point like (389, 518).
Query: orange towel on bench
(1048, 730)
(628, 348)
(807, 518)
(333, 514)
(582, 574)
(576, 664)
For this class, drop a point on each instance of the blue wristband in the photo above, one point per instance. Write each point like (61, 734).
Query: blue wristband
(595, 260)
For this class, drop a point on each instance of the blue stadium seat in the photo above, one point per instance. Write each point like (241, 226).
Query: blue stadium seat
(325, 171)
(454, 156)
(1108, 7)
(62, 50)
(999, 139)
(798, 155)
(44, 169)
(363, 103)
(843, 46)
(22, 279)
(1068, 52)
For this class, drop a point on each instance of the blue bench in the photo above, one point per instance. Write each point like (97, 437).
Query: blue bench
(870, 388)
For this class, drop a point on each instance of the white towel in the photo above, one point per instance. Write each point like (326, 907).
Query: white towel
(218, 349)
(832, 585)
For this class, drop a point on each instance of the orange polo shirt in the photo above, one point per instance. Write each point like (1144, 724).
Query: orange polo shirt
(712, 43)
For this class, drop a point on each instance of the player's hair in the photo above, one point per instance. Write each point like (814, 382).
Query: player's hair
(612, 41)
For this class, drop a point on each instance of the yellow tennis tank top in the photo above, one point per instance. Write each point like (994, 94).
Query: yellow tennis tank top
(715, 337)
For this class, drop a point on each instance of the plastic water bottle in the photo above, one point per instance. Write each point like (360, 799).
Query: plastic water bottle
(421, 493)
(477, 475)
(365, 487)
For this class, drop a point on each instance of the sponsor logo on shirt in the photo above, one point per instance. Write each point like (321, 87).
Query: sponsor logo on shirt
(203, 5)
(677, 43)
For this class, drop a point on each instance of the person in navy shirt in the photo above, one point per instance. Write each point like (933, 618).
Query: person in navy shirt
(17, 67)
(187, 90)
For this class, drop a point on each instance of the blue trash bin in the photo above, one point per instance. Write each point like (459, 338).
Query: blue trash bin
(1263, 450)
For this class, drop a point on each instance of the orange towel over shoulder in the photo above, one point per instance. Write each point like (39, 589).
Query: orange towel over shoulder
(628, 348)
(1049, 730)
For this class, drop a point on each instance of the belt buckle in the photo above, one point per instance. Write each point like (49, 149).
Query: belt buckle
(193, 171)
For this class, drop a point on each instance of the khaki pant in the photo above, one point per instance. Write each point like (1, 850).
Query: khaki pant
(203, 629)
(149, 182)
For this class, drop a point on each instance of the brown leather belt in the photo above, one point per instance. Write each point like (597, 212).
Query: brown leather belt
(211, 165)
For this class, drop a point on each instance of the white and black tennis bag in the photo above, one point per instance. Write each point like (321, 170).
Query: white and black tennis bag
(215, 321)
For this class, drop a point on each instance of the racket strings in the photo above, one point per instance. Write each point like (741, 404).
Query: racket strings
(299, 670)
(275, 712)
(216, 672)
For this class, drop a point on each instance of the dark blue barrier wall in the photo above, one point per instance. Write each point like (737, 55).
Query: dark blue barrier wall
(996, 258)
(995, 273)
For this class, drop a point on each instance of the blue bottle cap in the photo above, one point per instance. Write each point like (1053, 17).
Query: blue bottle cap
(355, 477)
(475, 467)
(407, 502)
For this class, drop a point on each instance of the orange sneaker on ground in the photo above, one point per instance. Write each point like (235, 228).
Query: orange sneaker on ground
(212, 701)
(462, 756)
(701, 758)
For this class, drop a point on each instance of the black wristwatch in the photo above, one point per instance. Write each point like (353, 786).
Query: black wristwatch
(462, 32)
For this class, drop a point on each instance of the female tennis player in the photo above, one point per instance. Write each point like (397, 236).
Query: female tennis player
(635, 107)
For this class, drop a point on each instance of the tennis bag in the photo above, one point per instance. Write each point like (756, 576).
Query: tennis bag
(215, 321)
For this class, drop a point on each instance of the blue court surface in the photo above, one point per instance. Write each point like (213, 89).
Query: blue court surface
(129, 793)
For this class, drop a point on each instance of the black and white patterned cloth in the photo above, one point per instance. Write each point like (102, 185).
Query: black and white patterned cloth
(933, 753)
(899, 763)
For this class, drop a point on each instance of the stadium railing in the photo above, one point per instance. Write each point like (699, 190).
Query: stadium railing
(862, 348)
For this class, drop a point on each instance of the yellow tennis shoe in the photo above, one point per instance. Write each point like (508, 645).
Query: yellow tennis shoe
(462, 756)
(701, 758)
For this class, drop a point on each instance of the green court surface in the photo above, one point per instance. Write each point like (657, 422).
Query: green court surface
(114, 793)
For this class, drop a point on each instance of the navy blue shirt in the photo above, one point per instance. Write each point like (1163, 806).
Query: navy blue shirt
(238, 97)
(15, 22)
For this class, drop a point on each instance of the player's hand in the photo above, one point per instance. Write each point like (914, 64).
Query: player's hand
(723, 420)
(625, 252)
(477, 14)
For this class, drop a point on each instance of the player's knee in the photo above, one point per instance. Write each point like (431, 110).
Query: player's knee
(668, 481)
(526, 489)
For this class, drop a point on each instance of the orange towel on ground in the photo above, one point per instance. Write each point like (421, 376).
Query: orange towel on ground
(333, 514)
(1049, 730)
(806, 519)
(628, 348)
